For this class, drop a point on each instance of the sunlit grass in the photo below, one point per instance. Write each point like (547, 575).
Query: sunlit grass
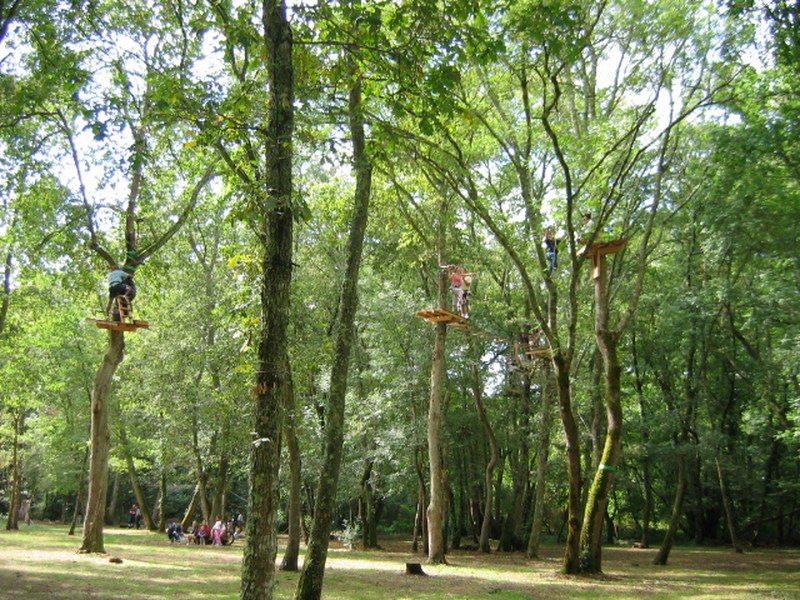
(40, 562)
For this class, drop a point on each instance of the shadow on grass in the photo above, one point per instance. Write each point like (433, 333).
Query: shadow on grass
(41, 562)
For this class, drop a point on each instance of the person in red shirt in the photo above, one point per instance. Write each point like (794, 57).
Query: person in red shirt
(202, 534)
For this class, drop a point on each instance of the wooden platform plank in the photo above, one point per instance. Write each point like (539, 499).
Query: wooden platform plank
(603, 248)
(540, 353)
(119, 326)
(438, 315)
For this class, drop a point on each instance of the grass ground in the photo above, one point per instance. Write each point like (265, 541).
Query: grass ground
(40, 562)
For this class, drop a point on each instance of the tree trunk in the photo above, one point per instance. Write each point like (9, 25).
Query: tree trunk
(367, 507)
(374, 518)
(675, 518)
(16, 472)
(597, 500)
(448, 492)
(483, 542)
(644, 419)
(698, 503)
(572, 448)
(497, 490)
(542, 457)
(200, 470)
(294, 512)
(435, 510)
(162, 501)
(457, 520)
(141, 499)
(220, 487)
(111, 511)
(310, 585)
(273, 375)
(598, 426)
(730, 521)
(5, 300)
(420, 522)
(80, 495)
(188, 516)
(100, 445)
(511, 534)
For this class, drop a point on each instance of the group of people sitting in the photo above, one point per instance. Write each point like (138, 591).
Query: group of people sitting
(222, 533)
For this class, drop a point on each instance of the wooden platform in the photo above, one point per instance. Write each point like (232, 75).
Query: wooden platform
(127, 325)
(438, 315)
(540, 353)
(598, 253)
(603, 248)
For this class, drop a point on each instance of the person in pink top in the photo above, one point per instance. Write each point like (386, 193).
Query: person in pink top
(217, 530)
(460, 283)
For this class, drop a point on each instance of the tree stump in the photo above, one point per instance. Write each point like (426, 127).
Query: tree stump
(414, 569)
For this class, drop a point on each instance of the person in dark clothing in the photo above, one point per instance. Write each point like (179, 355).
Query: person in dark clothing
(175, 532)
(122, 286)
(551, 249)
(132, 516)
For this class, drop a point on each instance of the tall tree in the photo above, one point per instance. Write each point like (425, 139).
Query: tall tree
(436, 510)
(273, 375)
(310, 584)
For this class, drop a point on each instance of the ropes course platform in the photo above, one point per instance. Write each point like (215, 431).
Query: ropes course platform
(540, 353)
(130, 325)
(598, 252)
(439, 315)
(603, 248)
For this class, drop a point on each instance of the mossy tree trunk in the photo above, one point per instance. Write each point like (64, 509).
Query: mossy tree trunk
(309, 586)
(273, 374)
(572, 449)
(100, 445)
(290, 561)
(597, 499)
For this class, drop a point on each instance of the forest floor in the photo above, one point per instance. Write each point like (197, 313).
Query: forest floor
(40, 562)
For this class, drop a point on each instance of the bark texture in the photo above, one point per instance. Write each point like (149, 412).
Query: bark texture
(310, 585)
(436, 508)
(100, 445)
(16, 471)
(477, 392)
(542, 456)
(597, 499)
(273, 376)
(290, 561)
